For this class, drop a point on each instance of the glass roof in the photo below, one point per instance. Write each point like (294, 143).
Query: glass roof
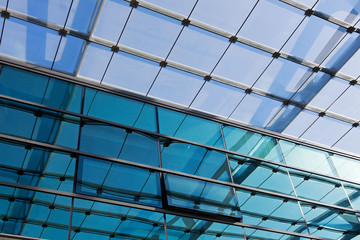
(286, 66)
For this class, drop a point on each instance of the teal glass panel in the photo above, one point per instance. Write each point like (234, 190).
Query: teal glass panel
(190, 128)
(194, 160)
(115, 142)
(353, 192)
(34, 214)
(270, 211)
(265, 176)
(192, 228)
(95, 220)
(37, 88)
(262, 234)
(36, 167)
(117, 181)
(319, 188)
(306, 158)
(250, 143)
(329, 222)
(202, 196)
(119, 110)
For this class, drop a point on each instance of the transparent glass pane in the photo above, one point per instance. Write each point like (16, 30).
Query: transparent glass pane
(198, 48)
(176, 86)
(343, 106)
(218, 98)
(184, 7)
(306, 158)
(119, 110)
(353, 192)
(250, 143)
(119, 182)
(350, 142)
(347, 168)
(350, 68)
(34, 214)
(300, 123)
(29, 42)
(82, 14)
(348, 11)
(201, 196)
(194, 160)
(265, 27)
(190, 128)
(115, 142)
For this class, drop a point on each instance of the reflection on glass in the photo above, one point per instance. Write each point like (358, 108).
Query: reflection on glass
(347, 168)
(117, 181)
(202, 196)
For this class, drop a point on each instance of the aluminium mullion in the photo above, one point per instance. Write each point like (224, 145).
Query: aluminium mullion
(176, 139)
(158, 169)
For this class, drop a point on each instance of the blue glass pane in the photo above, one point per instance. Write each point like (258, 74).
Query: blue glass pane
(115, 142)
(194, 160)
(191, 128)
(314, 39)
(353, 192)
(265, 27)
(150, 32)
(301, 122)
(319, 188)
(283, 118)
(253, 173)
(53, 11)
(283, 78)
(40, 89)
(112, 19)
(96, 58)
(238, 63)
(198, 48)
(119, 110)
(326, 130)
(350, 67)
(250, 143)
(34, 214)
(219, 14)
(342, 105)
(82, 14)
(256, 110)
(261, 234)
(218, 98)
(68, 55)
(184, 7)
(202, 196)
(94, 220)
(176, 85)
(350, 142)
(116, 181)
(306, 158)
(29, 42)
(347, 168)
(348, 11)
(123, 72)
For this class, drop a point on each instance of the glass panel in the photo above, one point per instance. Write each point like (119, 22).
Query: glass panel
(250, 143)
(300, 123)
(111, 20)
(261, 234)
(176, 85)
(34, 214)
(270, 211)
(202, 196)
(353, 192)
(347, 168)
(54, 11)
(40, 89)
(117, 181)
(306, 158)
(283, 78)
(265, 176)
(238, 63)
(220, 15)
(350, 66)
(119, 110)
(350, 142)
(82, 14)
(123, 71)
(314, 39)
(218, 98)
(326, 130)
(319, 188)
(348, 104)
(29, 42)
(115, 142)
(190, 128)
(184, 7)
(256, 110)
(265, 27)
(198, 48)
(150, 32)
(348, 11)
(194, 160)
(36, 167)
(95, 220)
